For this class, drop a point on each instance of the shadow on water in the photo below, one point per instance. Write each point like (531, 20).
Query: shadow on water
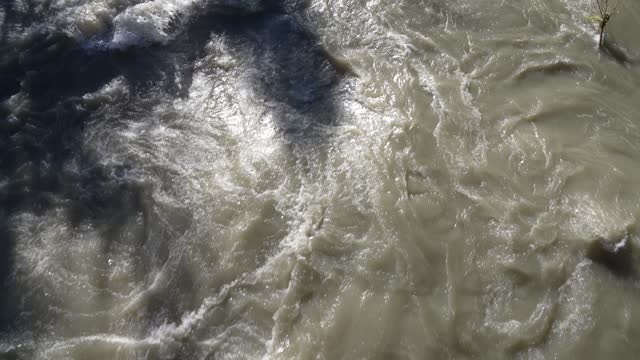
(45, 166)
(287, 68)
(40, 136)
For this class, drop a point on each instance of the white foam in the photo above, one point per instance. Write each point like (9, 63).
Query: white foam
(150, 22)
(159, 21)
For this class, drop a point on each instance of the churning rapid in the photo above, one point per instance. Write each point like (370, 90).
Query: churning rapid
(318, 179)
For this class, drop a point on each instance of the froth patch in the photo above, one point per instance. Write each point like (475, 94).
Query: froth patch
(159, 21)
(150, 22)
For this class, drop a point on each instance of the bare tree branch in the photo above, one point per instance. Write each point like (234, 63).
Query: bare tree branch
(600, 8)
(605, 16)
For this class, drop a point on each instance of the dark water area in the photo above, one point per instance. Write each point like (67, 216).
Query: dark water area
(45, 164)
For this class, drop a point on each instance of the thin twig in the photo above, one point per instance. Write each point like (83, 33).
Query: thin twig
(616, 7)
(605, 16)
(600, 8)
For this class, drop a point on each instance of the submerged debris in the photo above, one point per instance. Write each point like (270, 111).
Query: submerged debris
(614, 254)
(617, 52)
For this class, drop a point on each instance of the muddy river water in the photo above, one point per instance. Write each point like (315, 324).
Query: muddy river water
(319, 179)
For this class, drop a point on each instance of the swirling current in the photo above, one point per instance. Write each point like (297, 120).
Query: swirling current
(319, 179)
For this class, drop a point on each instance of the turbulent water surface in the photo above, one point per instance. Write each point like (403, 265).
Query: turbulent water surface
(318, 179)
